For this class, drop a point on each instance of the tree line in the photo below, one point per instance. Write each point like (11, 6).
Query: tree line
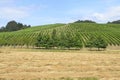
(13, 26)
(84, 21)
(90, 21)
(98, 43)
(114, 22)
(68, 41)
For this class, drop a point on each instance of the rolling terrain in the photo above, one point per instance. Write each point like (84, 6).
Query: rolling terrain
(109, 32)
(53, 64)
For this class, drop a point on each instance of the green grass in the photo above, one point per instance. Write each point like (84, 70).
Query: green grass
(109, 32)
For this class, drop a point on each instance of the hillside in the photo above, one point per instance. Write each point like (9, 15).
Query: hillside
(109, 32)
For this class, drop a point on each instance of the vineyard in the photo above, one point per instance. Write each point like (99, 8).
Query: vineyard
(28, 37)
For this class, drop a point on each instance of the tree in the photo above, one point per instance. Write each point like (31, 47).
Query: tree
(3, 29)
(114, 22)
(62, 40)
(90, 43)
(98, 42)
(11, 26)
(43, 41)
(39, 41)
(66, 40)
(19, 26)
(54, 40)
(84, 21)
(69, 40)
(78, 41)
(26, 26)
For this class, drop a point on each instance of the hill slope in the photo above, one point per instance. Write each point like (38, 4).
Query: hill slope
(109, 32)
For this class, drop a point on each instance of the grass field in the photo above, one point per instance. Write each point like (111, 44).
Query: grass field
(27, 64)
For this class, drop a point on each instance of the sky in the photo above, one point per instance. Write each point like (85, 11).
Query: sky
(40, 12)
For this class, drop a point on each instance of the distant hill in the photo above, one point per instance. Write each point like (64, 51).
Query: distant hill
(109, 32)
(114, 22)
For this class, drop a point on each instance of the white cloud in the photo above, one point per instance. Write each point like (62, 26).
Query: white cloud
(109, 1)
(79, 11)
(112, 13)
(109, 14)
(10, 11)
(79, 14)
(6, 1)
(13, 12)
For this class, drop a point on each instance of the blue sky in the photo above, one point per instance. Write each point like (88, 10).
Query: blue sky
(39, 12)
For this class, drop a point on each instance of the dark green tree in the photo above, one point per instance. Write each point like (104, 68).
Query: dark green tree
(62, 42)
(69, 40)
(84, 21)
(11, 26)
(114, 22)
(54, 39)
(44, 41)
(78, 41)
(39, 41)
(3, 29)
(20, 26)
(98, 42)
(90, 43)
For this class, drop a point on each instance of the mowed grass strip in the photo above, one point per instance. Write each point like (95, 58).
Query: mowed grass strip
(26, 65)
(62, 78)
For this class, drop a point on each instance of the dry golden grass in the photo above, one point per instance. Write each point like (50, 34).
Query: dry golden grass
(24, 64)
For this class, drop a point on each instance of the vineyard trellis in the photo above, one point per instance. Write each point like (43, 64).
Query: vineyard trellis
(109, 32)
